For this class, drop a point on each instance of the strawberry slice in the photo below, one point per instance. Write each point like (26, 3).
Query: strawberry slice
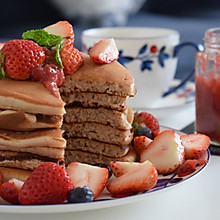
(195, 145)
(166, 152)
(189, 166)
(9, 190)
(140, 178)
(93, 177)
(104, 51)
(119, 168)
(63, 29)
(141, 143)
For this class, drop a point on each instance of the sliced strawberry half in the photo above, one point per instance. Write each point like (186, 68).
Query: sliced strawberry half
(9, 190)
(140, 178)
(93, 177)
(195, 145)
(166, 152)
(119, 168)
(104, 51)
(63, 29)
(189, 166)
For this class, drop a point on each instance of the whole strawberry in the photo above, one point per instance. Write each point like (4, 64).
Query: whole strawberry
(48, 184)
(145, 119)
(20, 57)
(71, 58)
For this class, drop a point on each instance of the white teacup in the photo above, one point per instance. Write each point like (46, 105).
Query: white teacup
(150, 54)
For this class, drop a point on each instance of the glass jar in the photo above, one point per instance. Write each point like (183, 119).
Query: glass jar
(207, 76)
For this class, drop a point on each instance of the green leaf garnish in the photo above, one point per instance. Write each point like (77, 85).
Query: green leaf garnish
(2, 72)
(57, 55)
(43, 38)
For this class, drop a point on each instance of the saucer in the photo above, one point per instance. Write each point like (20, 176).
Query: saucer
(182, 98)
(185, 95)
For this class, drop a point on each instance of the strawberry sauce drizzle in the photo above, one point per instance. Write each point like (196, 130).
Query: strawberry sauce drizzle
(49, 74)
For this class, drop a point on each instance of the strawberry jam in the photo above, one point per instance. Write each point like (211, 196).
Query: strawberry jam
(208, 86)
(208, 107)
(50, 75)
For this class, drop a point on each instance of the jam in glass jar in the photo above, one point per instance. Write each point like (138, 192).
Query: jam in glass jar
(207, 76)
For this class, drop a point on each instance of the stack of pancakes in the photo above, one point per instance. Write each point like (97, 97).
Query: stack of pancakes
(30, 122)
(94, 127)
(97, 122)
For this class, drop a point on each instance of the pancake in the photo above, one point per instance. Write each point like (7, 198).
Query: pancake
(92, 158)
(112, 78)
(21, 121)
(89, 99)
(35, 139)
(27, 150)
(99, 132)
(121, 120)
(9, 173)
(26, 161)
(97, 147)
(29, 97)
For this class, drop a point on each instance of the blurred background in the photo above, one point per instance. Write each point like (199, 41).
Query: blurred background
(190, 17)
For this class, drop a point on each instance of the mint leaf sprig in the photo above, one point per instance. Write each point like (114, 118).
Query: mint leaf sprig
(43, 38)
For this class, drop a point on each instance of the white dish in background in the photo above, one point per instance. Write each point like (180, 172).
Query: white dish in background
(183, 96)
(178, 101)
(165, 182)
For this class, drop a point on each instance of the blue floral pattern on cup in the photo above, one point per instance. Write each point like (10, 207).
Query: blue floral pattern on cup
(146, 55)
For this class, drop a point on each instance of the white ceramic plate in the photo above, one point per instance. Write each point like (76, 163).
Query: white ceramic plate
(164, 183)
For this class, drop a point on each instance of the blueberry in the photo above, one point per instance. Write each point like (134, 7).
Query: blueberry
(144, 131)
(79, 195)
(105, 166)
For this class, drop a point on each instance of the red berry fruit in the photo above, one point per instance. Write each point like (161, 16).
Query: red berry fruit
(9, 190)
(71, 58)
(141, 143)
(104, 51)
(195, 145)
(48, 184)
(63, 29)
(21, 56)
(148, 120)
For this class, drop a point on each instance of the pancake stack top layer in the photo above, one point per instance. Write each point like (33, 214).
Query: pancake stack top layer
(30, 121)
(97, 122)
